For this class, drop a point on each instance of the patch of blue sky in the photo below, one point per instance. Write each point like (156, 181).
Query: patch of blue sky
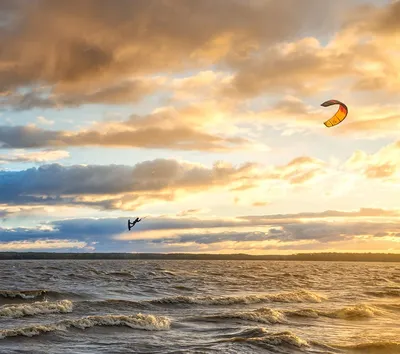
(318, 144)
(118, 156)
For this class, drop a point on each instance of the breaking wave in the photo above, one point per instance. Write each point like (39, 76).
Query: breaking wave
(294, 296)
(271, 316)
(262, 315)
(272, 340)
(374, 347)
(36, 308)
(23, 294)
(346, 313)
(139, 321)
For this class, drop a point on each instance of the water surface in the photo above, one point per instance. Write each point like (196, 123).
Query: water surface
(136, 306)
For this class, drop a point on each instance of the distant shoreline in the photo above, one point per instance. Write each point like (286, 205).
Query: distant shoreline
(323, 257)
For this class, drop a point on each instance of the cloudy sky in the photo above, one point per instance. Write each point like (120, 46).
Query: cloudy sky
(203, 116)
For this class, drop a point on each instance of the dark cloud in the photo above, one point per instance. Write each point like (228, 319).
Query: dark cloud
(363, 212)
(176, 138)
(84, 46)
(119, 93)
(215, 237)
(112, 232)
(321, 232)
(383, 20)
(114, 185)
(23, 233)
(306, 67)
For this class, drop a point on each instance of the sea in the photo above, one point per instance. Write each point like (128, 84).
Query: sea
(191, 306)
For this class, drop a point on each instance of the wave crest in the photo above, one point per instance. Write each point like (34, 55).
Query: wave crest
(267, 341)
(294, 296)
(36, 308)
(139, 321)
(351, 312)
(23, 294)
(262, 315)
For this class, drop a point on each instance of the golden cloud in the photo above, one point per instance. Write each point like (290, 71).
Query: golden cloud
(92, 47)
(41, 156)
(25, 245)
(384, 164)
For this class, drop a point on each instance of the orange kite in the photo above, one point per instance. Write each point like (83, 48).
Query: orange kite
(339, 116)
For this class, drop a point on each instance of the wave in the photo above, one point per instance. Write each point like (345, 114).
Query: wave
(384, 347)
(346, 313)
(394, 307)
(36, 308)
(247, 333)
(390, 292)
(294, 296)
(271, 316)
(139, 321)
(262, 315)
(36, 294)
(271, 340)
(23, 294)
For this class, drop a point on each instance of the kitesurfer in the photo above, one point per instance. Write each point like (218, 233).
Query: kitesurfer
(132, 224)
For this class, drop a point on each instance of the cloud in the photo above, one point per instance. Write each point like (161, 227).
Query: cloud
(363, 212)
(129, 187)
(362, 56)
(189, 212)
(128, 91)
(301, 67)
(21, 213)
(164, 180)
(384, 164)
(300, 170)
(167, 128)
(116, 186)
(290, 114)
(382, 20)
(100, 44)
(41, 156)
(281, 226)
(43, 245)
(260, 204)
(44, 121)
(255, 233)
(250, 57)
(277, 232)
(203, 85)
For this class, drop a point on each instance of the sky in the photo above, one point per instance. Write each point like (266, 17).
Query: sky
(204, 117)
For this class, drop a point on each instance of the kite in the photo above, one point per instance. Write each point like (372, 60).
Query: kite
(339, 116)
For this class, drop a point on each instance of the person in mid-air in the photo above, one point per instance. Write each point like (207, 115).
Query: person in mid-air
(132, 224)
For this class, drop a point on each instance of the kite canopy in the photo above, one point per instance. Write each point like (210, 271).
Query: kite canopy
(339, 116)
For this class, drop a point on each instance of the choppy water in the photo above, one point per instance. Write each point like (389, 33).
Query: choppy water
(199, 307)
